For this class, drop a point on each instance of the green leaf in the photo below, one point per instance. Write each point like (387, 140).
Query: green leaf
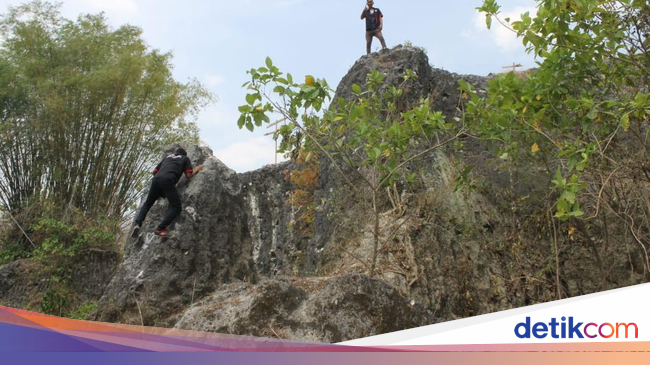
(625, 121)
(241, 121)
(411, 177)
(376, 152)
(269, 63)
(356, 89)
(569, 196)
(251, 98)
(593, 114)
(576, 213)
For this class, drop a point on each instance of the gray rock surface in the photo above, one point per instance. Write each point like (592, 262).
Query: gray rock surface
(265, 192)
(237, 228)
(209, 244)
(440, 86)
(233, 263)
(308, 309)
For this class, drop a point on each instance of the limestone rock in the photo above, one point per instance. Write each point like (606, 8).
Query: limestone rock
(209, 244)
(325, 310)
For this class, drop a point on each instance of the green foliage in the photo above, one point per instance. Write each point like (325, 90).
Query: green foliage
(83, 311)
(57, 235)
(368, 139)
(298, 103)
(85, 109)
(64, 239)
(60, 236)
(55, 302)
(588, 95)
(57, 239)
(12, 251)
(365, 132)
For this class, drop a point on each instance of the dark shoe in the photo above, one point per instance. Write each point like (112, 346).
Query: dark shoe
(136, 231)
(162, 232)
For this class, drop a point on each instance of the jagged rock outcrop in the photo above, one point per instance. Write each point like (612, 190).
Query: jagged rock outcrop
(276, 246)
(237, 228)
(210, 244)
(234, 227)
(439, 86)
(234, 264)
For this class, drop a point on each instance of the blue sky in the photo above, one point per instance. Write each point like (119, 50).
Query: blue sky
(217, 41)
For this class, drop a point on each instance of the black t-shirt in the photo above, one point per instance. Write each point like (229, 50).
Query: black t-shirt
(373, 19)
(172, 167)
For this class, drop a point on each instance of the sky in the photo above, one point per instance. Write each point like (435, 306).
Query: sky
(216, 41)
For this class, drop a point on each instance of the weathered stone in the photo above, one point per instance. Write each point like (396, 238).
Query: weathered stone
(265, 193)
(309, 309)
(453, 252)
(209, 244)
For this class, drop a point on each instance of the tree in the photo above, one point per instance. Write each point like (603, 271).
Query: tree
(588, 99)
(583, 113)
(367, 140)
(86, 109)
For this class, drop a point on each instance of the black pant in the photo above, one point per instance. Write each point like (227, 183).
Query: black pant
(161, 188)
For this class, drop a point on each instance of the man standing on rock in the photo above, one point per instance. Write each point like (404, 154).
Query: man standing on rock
(374, 24)
(167, 174)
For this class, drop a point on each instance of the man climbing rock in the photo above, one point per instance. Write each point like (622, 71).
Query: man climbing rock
(166, 175)
(374, 24)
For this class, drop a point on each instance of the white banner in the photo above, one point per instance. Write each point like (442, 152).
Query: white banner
(620, 315)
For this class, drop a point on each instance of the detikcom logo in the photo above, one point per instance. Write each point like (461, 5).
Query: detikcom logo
(573, 330)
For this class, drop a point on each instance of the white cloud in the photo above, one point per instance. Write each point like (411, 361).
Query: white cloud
(249, 155)
(213, 80)
(503, 37)
(217, 116)
(122, 7)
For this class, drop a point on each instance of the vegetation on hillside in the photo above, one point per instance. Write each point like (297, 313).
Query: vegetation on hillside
(581, 116)
(85, 111)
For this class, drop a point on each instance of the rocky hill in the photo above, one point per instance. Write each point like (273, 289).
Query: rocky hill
(235, 262)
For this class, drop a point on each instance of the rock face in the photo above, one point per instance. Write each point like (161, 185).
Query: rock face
(309, 309)
(234, 264)
(209, 244)
(275, 245)
(440, 86)
(236, 229)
